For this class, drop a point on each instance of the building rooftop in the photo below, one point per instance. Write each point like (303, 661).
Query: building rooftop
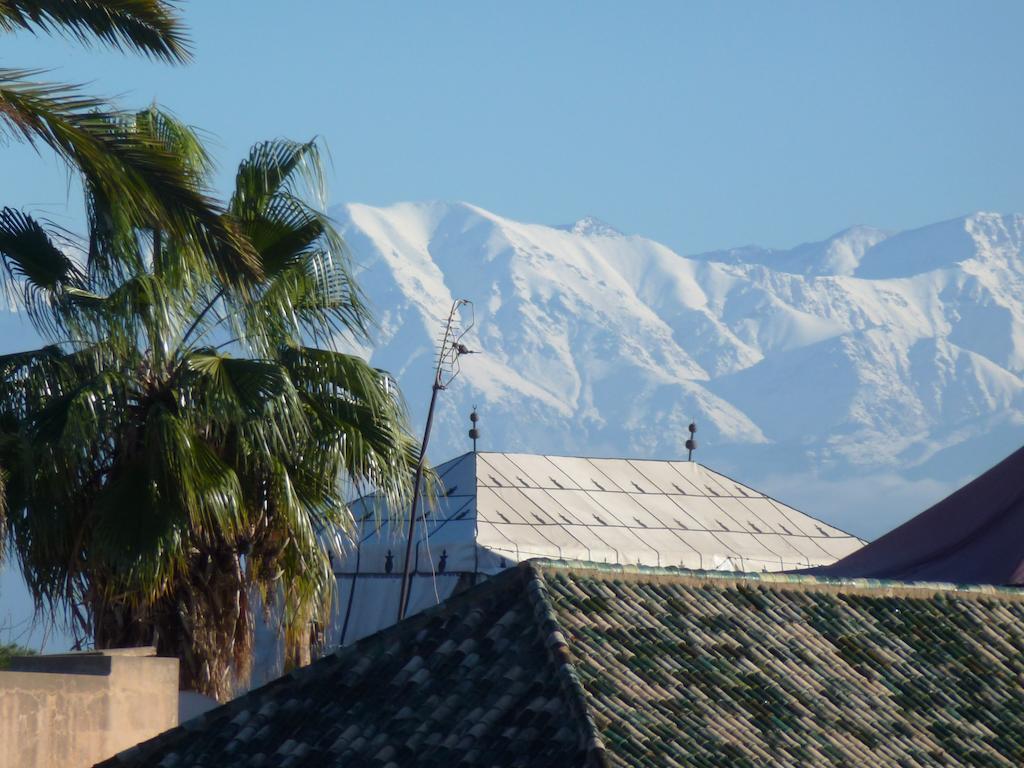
(627, 511)
(497, 509)
(975, 534)
(579, 664)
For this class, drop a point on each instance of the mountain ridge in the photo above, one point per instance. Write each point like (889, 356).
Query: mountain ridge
(862, 355)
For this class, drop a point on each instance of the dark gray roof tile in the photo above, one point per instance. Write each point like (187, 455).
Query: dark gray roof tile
(579, 665)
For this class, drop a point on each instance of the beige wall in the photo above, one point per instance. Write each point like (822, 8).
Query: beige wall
(74, 710)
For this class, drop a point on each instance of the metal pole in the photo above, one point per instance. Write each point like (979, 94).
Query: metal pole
(403, 600)
(449, 346)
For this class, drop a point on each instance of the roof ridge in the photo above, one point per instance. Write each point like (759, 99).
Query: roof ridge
(793, 580)
(557, 649)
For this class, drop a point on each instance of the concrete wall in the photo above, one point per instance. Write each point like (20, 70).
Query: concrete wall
(73, 710)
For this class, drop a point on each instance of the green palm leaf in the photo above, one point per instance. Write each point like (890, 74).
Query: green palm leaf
(273, 170)
(29, 258)
(148, 26)
(124, 160)
(29, 254)
(141, 170)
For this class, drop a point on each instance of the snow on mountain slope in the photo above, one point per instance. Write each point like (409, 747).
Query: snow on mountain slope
(868, 356)
(545, 300)
(838, 255)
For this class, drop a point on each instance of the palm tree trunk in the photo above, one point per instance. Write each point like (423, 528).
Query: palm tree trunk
(204, 620)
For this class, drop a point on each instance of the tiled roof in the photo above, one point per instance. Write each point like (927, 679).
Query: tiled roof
(577, 665)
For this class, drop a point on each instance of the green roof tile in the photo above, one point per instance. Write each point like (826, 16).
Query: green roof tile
(569, 664)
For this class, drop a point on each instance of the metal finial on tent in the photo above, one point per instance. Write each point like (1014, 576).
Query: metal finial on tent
(691, 444)
(474, 433)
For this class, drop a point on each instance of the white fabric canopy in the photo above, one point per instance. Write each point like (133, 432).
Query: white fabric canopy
(498, 509)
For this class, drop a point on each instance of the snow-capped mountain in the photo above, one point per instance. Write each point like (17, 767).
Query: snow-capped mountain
(860, 378)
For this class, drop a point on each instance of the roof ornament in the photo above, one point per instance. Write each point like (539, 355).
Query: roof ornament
(474, 433)
(451, 348)
(691, 444)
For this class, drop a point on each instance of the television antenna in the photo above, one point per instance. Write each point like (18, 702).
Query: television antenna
(450, 350)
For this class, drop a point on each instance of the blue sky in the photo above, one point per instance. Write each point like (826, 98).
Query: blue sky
(702, 125)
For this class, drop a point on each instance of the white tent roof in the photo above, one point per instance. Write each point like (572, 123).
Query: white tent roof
(501, 508)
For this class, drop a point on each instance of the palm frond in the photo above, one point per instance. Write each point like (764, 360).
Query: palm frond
(132, 523)
(255, 397)
(124, 161)
(274, 167)
(148, 26)
(360, 413)
(29, 258)
(188, 478)
(309, 295)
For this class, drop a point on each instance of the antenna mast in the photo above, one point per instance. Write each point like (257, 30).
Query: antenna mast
(447, 369)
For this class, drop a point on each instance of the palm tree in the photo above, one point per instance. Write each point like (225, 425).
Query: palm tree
(150, 181)
(174, 454)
